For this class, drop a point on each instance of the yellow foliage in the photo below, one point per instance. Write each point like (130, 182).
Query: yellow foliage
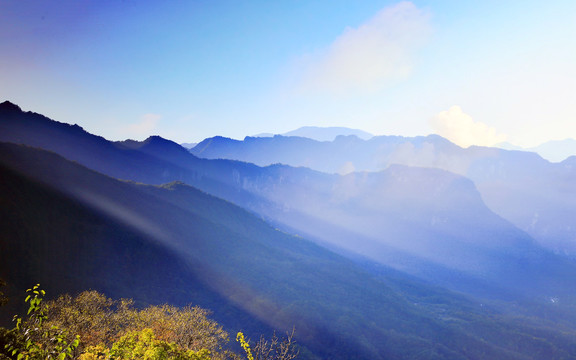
(245, 345)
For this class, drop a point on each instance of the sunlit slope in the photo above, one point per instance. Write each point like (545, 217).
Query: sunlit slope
(428, 222)
(534, 194)
(71, 228)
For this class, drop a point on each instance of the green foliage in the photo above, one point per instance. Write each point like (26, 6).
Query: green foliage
(144, 345)
(33, 341)
(9, 338)
(103, 321)
(245, 345)
(96, 318)
(115, 330)
(188, 327)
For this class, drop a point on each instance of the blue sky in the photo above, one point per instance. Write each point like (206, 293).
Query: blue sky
(477, 72)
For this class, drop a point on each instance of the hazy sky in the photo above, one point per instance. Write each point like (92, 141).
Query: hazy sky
(477, 72)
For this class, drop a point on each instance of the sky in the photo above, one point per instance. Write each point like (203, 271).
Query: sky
(476, 72)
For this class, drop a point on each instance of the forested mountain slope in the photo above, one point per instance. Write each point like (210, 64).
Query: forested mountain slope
(428, 222)
(532, 193)
(72, 228)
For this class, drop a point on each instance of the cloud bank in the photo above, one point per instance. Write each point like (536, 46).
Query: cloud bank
(368, 57)
(461, 129)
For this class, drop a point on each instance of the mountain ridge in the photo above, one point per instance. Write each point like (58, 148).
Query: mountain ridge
(169, 207)
(462, 245)
(313, 204)
(327, 133)
(319, 133)
(505, 178)
(283, 195)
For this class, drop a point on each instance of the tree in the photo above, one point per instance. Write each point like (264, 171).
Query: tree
(144, 345)
(32, 340)
(112, 329)
(101, 321)
(188, 327)
(96, 318)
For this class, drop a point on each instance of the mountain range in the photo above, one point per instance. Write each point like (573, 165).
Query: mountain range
(402, 262)
(535, 195)
(320, 133)
(343, 212)
(553, 151)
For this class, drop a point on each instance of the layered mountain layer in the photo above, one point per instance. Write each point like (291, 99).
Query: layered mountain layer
(365, 286)
(535, 195)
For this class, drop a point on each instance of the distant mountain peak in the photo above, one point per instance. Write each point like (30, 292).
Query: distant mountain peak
(151, 140)
(263, 135)
(8, 106)
(158, 147)
(154, 144)
(157, 139)
(327, 133)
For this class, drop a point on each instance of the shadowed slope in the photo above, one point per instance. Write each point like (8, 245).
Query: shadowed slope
(73, 228)
(416, 219)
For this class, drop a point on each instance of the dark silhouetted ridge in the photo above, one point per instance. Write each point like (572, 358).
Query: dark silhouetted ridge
(7, 106)
(160, 148)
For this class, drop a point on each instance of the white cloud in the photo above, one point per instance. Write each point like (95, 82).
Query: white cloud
(370, 56)
(461, 129)
(145, 127)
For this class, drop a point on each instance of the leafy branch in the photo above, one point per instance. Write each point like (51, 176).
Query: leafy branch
(36, 343)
